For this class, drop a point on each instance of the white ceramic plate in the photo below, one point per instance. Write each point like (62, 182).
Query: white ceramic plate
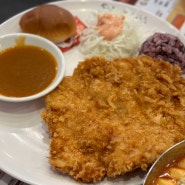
(24, 140)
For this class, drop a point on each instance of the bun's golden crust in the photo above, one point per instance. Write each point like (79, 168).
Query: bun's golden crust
(50, 21)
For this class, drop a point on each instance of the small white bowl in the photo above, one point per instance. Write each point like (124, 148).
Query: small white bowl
(9, 40)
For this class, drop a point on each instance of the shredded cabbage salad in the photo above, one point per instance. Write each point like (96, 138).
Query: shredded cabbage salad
(125, 44)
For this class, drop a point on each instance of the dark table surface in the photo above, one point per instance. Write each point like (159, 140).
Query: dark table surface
(9, 8)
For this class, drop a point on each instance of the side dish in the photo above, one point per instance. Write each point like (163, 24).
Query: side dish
(165, 46)
(173, 173)
(112, 35)
(30, 67)
(50, 21)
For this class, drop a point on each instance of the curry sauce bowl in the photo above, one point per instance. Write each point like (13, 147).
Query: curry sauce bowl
(30, 67)
(169, 168)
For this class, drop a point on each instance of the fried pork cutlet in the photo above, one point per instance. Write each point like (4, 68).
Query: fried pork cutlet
(110, 118)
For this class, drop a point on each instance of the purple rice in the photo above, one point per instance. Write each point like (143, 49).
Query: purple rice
(165, 46)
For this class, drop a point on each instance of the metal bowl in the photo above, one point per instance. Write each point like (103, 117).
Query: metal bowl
(167, 157)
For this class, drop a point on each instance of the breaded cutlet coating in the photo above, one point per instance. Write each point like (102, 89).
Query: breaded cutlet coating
(110, 118)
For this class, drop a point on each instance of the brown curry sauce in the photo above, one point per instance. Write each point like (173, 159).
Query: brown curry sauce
(26, 70)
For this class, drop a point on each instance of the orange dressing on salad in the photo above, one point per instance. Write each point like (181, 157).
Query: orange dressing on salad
(109, 26)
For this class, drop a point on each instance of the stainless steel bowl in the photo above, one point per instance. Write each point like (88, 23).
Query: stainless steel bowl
(168, 156)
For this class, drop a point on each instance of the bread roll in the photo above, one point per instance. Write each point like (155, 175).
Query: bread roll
(50, 21)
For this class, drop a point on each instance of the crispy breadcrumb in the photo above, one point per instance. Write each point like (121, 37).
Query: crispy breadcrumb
(110, 118)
